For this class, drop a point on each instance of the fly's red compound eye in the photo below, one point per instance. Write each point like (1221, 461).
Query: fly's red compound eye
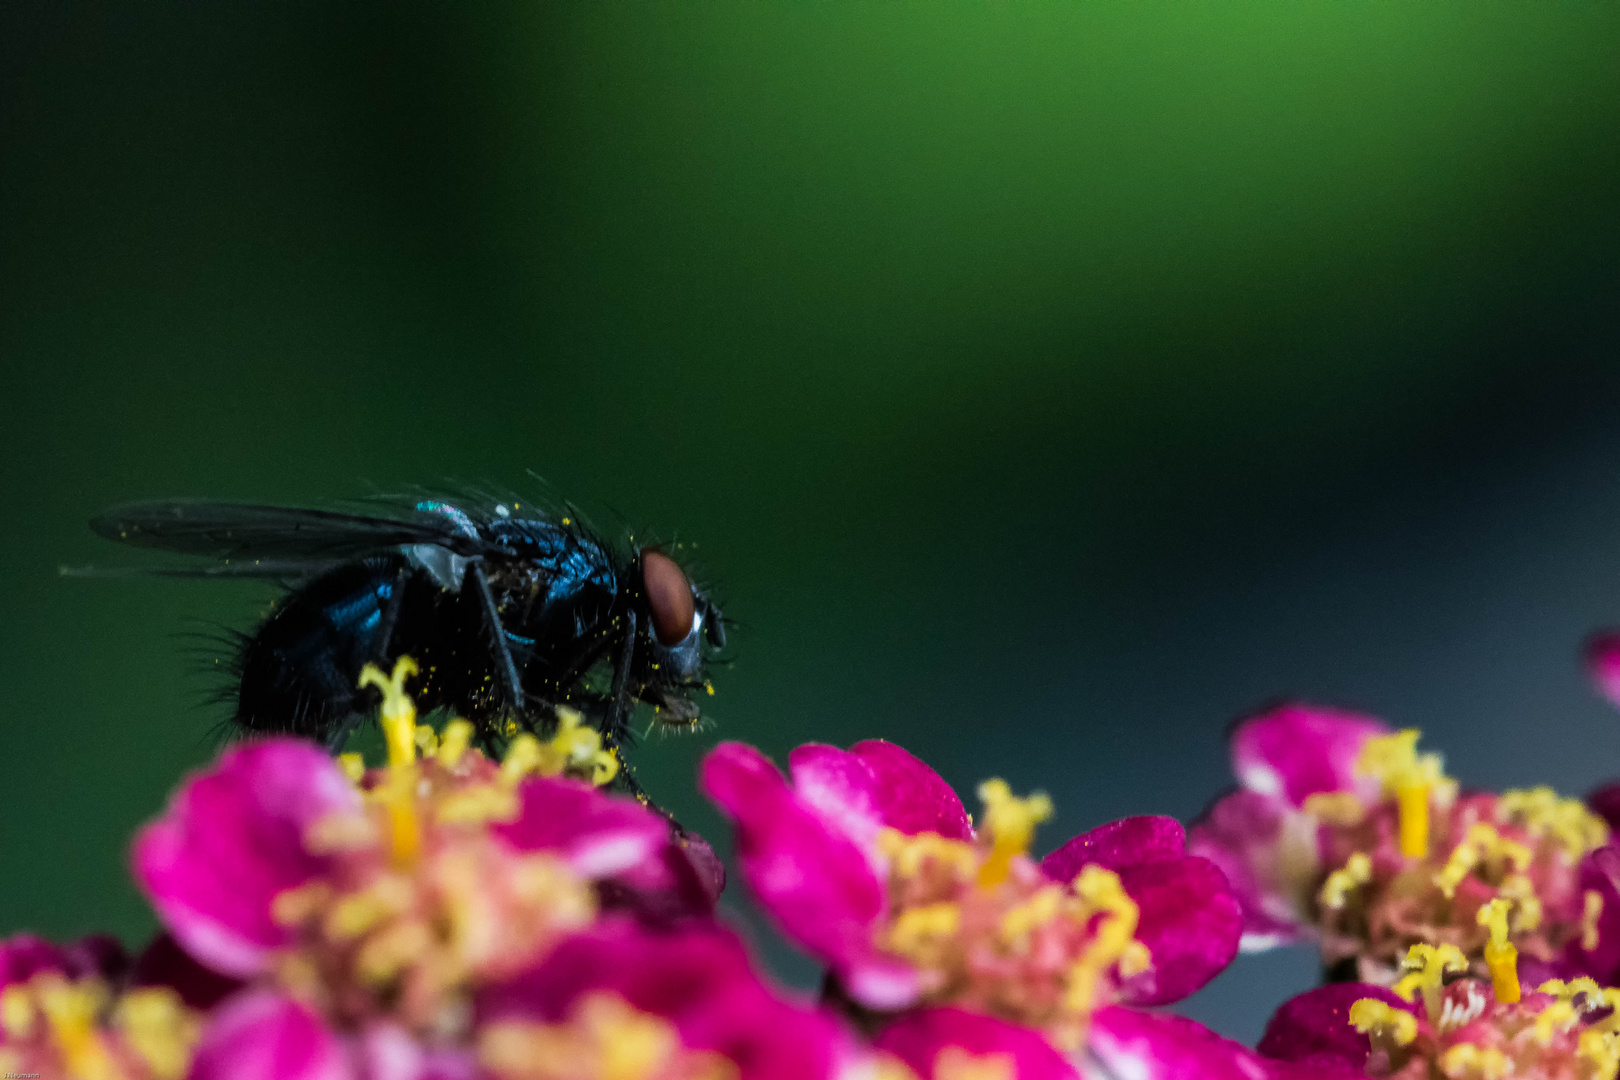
(669, 596)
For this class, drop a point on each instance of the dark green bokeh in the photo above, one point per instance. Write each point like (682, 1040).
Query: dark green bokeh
(1041, 383)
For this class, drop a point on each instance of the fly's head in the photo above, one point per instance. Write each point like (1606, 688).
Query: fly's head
(677, 624)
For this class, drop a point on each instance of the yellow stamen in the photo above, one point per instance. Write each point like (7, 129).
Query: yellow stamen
(1381, 1021)
(1591, 913)
(1335, 807)
(1542, 812)
(1527, 910)
(1407, 776)
(1113, 942)
(353, 766)
(71, 1010)
(1603, 1051)
(918, 927)
(398, 719)
(1465, 1061)
(1482, 846)
(453, 742)
(1501, 957)
(575, 750)
(160, 1028)
(1357, 871)
(17, 1011)
(398, 715)
(1011, 822)
(1431, 963)
(427, 740)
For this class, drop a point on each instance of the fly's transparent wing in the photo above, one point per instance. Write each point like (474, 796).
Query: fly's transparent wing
(241, 531)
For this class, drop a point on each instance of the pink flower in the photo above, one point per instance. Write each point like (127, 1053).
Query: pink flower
(1344, 833)
(867, 861)
(1561, 1031)
(688, 1000)
(373, 905)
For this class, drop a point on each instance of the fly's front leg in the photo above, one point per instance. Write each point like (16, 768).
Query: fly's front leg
(387, 620)
(617, 721)
(507, 683)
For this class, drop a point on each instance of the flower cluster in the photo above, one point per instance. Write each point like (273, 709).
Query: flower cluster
(450, 916)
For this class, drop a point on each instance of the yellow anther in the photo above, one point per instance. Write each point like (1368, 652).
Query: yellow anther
(908, 855)
(1011, 822)
(1591, 912)
(384, 955)
(453, 742)
(523, 756)
(1601, 1049)
(398, 714)
(1580, 987)
(1356, 871)
(1482, 846)
(1501, 957)
(1383, 1023)
(160, 1028)
(71, 1010)
(1557, 1017)
(1465, 1061)
(1035, 912)
(353, 766)
(918, 927)
(1113, 940)
(1335, 808)
(604, 1037)
(1431, 963)
(1542, 812)
(1409, 777)
(476, 804)
(427, 740)
(17, 1011)
(1526, 904)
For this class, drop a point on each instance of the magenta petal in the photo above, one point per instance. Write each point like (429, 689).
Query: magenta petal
(1315, 1026)
(231, 839)
(1605, 803)
(261, 1035)
(1295, 751)
(919, 1037)
(1242, 834)
(24, 956)
(839, 788)
(911, 797)
(1600, 873)
(700, 979)
(1145, 1046)
(682, 880)
(600, 835)
(807, 874)
(1118, 844)
(164, 963)
(1190, 923)
(1603, 663)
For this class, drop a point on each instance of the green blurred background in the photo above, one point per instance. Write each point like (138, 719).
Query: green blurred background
(1042, 384)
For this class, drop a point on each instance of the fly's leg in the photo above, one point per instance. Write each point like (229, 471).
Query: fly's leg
(617, 721)
(507, 682)
(339, 738)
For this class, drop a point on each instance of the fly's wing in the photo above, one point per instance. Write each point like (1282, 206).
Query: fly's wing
(278, 535)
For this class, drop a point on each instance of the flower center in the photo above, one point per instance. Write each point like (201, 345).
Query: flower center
(604, 1038)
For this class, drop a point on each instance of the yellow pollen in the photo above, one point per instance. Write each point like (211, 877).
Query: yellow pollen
(1602, 1050)
(1590, 914)
(1557, 1017)
(353, 766)
(1429, 965)
(293, 906)
(604, 1038)
(1501, 957)
(160, 1028)
(1011, 822)
(908, 855)
(384, 955)
(453, 742)
(1465, 1061)
(1383, 1022)
(1483, 846)
(1357, 871)
(1409, 777)
(575, 750)
(1037, 911)
(1542, 812)
(427, 740)
(476, 804)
